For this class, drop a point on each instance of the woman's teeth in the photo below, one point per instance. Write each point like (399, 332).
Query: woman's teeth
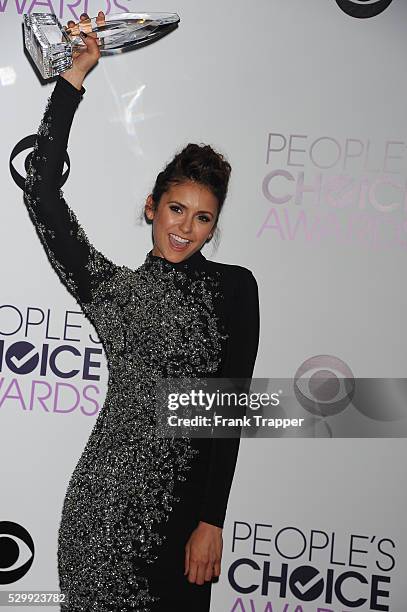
(183, 240)
(177, 241)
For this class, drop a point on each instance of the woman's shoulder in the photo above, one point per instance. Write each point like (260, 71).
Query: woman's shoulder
(234, 273)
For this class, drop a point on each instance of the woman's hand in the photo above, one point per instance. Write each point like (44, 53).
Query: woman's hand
(84, 59)
(203, 553)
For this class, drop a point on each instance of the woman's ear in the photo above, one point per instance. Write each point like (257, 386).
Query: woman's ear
(149, 207)
(209, 238)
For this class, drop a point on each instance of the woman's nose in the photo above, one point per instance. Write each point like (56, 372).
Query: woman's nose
(186, 225)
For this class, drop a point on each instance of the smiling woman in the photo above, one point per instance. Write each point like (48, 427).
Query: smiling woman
(142, 519)
(191, 191)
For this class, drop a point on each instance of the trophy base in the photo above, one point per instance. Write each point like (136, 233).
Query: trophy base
(48, 45)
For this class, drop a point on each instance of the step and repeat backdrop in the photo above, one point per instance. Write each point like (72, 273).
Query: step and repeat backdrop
(308, 102)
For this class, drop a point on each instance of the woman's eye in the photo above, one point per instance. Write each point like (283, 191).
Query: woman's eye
(178, 209)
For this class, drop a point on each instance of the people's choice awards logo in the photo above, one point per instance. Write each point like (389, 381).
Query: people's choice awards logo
(363, 9)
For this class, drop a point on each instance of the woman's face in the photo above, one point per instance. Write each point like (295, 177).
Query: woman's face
(184, 219)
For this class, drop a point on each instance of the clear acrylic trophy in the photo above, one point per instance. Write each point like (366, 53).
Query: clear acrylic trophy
(52, 45)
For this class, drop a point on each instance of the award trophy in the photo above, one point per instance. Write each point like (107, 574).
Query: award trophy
(51, 45)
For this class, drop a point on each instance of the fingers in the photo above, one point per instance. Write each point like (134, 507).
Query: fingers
(92, 45)
(84, 24)
(71, 28)
(208, 572)
(100, 19)
(200, 575)
(186, 570)
(202, 572)
(193, 569)
(216, 569)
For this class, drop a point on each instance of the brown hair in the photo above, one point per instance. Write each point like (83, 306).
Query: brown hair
(199, 163)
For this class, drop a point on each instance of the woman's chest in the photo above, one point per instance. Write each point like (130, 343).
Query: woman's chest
(170, 318)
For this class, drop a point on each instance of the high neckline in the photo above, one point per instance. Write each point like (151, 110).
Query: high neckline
(196, 260)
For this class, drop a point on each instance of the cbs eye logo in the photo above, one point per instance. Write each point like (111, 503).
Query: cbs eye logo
(363, 9)
(16, 552)
(324, 385)
(22, 146)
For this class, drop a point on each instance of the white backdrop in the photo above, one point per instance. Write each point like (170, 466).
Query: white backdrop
(308, 103)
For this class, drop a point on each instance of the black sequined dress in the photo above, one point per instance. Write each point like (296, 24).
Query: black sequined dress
(134, 498)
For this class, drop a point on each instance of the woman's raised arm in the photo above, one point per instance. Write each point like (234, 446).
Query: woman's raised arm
(79, 265)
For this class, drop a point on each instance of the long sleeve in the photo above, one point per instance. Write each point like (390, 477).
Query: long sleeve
(79, 265)
(239, 363)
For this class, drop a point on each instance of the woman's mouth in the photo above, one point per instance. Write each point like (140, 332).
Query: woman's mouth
(178, 242)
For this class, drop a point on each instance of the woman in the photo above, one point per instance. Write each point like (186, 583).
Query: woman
(142, 519)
